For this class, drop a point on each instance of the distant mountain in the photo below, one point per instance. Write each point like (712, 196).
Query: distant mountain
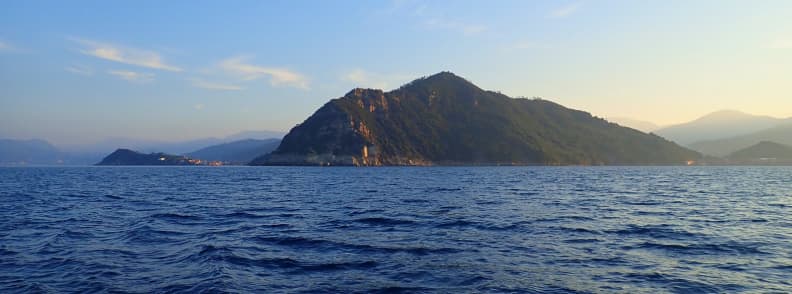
(722, 147)
(258, 135)
(23, 152)
(146, 146)
(764, 152)
(717, 125)
(237, 152)
(129, 157)
(643, 126)
(764, 149)
(444, 119)
(175, 147)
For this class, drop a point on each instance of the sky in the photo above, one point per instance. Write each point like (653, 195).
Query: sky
(77, 72)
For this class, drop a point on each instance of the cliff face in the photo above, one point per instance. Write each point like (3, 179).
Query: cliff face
(444, 119)
(341, 133)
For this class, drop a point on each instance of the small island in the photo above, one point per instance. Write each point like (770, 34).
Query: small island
(131, 157)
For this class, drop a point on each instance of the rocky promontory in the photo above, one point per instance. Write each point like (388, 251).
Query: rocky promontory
(446, 120)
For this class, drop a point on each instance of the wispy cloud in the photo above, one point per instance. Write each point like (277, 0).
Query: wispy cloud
(425, 17)
(79, 70)
(199, 83)
(465, 28)
(565, 10)
(277, 76)
(133, 76)
(780, 44)
(198, 106)
(5, 46)
(126, 55)
(366, 79)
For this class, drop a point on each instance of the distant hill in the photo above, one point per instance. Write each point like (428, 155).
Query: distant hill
(764, 149)
(643, 126)
(173, 147)
(764, 152)
(722, 147)
(129, 157)
(24, 152)
(718, 125)
(237, 152)
(444, 119)
(258, 135)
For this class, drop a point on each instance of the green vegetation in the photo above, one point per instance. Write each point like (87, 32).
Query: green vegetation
(763, 152)
(129, 157)
(444, 119)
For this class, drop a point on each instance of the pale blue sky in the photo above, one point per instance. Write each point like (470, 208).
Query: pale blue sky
(80, 71)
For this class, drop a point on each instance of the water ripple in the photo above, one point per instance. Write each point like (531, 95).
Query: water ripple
(396, 230)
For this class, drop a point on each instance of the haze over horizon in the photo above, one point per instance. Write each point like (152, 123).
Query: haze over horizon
(184, 70)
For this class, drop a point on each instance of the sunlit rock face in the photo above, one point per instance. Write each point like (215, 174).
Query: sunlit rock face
(339, 134)
(446, 120)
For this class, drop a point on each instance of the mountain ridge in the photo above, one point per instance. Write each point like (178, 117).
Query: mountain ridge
(444, 119)
(717, 125)
(641, 125)
(764, 149)
(236, 152)
(721, 147)
(762, 153)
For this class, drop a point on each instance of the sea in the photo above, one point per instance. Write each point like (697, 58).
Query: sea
(685, 229)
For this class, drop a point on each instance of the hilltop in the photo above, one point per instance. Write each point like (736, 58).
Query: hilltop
(446, 120)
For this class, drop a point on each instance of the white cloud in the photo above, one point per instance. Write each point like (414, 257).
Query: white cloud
(132, 76)
(215, 86)
(80, 70)
(780, 44)
(198, 107)
(365, 79)
(8, 47)
(133, 56)
(565, 10)
(465, 28)
(277, 76)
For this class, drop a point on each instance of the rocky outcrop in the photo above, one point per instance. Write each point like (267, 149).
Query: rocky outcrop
(446, 120)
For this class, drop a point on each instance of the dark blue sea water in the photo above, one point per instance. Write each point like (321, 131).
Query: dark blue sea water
(457, 229)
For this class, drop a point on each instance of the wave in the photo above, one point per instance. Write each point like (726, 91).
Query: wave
(383, 221)
(662, 231)
(702, 248)
(175, 216)
(437, 230)
(330, 245)
(227, 255)
(242, 215)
